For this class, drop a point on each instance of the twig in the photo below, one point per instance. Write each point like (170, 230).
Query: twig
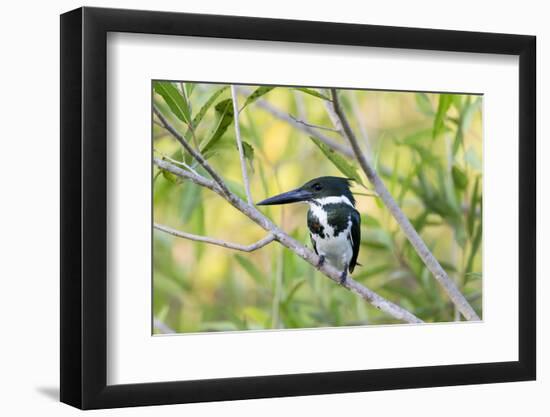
(174, 161)
(301, 109)
(240, 144)
(329, 129)
(300, 250)
(427, 257)
(229, 245)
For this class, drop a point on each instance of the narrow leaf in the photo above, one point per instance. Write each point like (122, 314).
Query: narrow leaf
(170, 177)
(475, 246)
(346, 168)
(248, 150)
(312, 92)
(224, 109)
(445, 101)
(202, 112)
(424, 104)
(473, 207)
(256, 94)
(174, 100)
(459, 177)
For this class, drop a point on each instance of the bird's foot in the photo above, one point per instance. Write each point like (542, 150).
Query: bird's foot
(321, 261)
(343, 277)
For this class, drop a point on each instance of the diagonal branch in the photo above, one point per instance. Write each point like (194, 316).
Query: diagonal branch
(300, 250)
(218, 242)
(240, 144)
(421, 249)
(195, 154)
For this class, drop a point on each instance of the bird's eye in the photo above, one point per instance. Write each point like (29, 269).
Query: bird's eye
(317, 187)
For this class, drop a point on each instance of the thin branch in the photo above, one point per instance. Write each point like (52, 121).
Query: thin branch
(218, 242)
(174, 161)
(240, 144)
(197, 179)
(297, 120)
(301, 109)
(195, 154)
(421, 249)
(300, 250)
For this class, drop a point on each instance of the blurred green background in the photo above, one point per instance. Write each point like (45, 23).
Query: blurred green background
(428, 149)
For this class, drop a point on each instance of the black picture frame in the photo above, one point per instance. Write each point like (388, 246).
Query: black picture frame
(84, 207)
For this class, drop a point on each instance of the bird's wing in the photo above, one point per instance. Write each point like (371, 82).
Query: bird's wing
(355, 238)
(313, 243)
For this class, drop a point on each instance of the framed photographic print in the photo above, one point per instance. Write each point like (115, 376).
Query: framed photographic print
(257, 208)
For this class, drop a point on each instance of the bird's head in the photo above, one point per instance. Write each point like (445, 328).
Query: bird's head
(320, 190)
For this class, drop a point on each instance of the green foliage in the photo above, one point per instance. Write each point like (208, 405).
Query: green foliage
(256, 94)
(224, 112)
(445, 101)
(427, 147)
(312, 92)
(174, 99)
(348, 169)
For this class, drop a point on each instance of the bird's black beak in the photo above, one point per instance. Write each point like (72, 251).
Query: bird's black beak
(293, 196)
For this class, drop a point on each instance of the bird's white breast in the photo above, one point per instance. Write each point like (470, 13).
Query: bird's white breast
(337, 250)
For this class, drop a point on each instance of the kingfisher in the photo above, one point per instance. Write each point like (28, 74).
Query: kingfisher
(333, 222)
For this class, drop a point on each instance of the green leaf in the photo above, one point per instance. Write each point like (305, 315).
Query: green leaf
(445, 101)
(456, 101)
(174, 179)
(447, 266)
(256, 94)
(415, 138)
(346, 168)
(424, 104)
(174, 100)
(459, 137)
(248, 150)
(473, 206)
(251, 269)
(202, 112)
(475, 246)
(312, 93)
(459, 177)
(189, 87)
(224, 109)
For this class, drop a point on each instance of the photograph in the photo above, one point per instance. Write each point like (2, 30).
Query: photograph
(304, 207)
